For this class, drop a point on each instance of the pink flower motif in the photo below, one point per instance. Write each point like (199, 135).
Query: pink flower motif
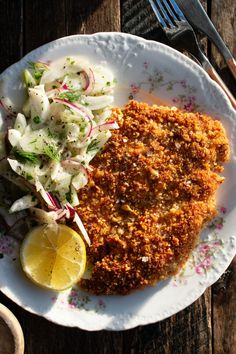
(217, 243)
(175, 99)
(223, 210)
(134, 88)
(199, 269)
(183, 83)
(206, 263)
(188, 107)
(219, 226)
(145, 65)
(73, 293)
(204, 248)
(6, 245)
(73, 303)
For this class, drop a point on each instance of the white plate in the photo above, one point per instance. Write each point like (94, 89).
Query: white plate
(151, 72)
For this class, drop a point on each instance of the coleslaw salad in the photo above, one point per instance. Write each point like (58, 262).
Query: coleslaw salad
(65, 121)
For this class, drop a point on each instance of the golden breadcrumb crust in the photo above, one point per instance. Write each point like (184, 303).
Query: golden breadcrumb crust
(150, 193)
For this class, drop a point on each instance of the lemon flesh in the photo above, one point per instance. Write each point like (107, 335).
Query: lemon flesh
(53, 257)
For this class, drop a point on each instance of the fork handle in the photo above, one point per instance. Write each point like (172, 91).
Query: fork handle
(215, 76)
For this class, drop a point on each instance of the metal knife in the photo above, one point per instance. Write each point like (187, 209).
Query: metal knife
(197, 16)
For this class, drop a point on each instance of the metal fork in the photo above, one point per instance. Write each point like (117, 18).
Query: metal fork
(182, 37)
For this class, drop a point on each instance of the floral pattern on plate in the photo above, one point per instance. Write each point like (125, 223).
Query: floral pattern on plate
(78, 299)
(8, 246)
(203, 257)
(155, 79)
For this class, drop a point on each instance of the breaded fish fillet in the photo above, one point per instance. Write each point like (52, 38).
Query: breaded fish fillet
(150, 194)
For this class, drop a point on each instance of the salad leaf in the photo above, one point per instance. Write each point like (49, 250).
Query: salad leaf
(25, 157)
(93, 145)
(51, 151)
(36, 119)
(37, 70)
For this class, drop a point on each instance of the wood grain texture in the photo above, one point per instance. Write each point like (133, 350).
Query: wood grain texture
(11, 25)
(223, 14)
(43, 22)
(224, 312)
(208, 325)
(92, 16)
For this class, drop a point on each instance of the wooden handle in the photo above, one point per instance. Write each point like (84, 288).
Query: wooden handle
(232, 66)
(213, 74)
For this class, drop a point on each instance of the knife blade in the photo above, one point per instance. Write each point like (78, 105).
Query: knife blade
(197, 16)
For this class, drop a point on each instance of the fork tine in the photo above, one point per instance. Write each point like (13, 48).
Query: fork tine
(157, 13)
(168, 8)
(160, 13)
(165, 14)
(177, 9)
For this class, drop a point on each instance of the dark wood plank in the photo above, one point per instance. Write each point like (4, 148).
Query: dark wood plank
(11, 25)
(223, 16)
(224, 312)
(43, 22)
(92, 16)
(187, 332)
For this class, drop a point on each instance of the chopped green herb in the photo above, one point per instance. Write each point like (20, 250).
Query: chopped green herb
(82, 129)
(33, 141)
(51, 134)
(36, 119)
(108, 83)
(28, 177)
(51, 152)
(68, 197)
(54, 86)
(93, 145)
(70, 96)
(37, 70)
(25, 157)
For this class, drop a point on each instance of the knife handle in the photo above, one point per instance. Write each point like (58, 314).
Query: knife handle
(214, 75)
(232, 66)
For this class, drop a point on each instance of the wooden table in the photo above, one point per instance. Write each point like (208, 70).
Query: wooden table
(208, 325)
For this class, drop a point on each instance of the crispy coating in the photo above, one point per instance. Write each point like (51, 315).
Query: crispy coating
(150, 193)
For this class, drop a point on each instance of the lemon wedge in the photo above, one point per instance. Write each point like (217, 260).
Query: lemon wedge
(53, 257)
